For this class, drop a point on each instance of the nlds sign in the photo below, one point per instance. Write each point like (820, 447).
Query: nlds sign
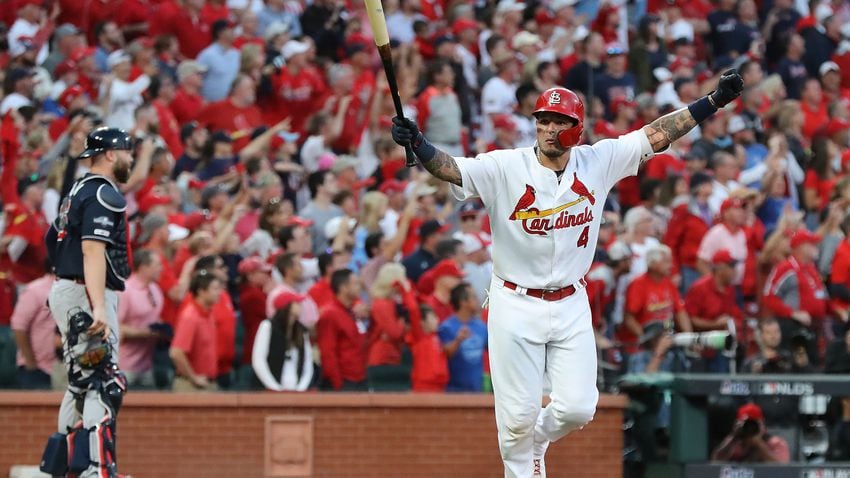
(822, 473)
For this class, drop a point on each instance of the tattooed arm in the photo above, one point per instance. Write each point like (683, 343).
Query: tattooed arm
(673, 126)
(669, 128)
(444, 167)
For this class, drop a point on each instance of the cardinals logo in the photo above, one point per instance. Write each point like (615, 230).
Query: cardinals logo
(554, 98)
(537, 222)
(579, 188)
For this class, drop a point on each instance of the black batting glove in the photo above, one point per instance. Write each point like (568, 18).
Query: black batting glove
(405, 131)
(729, 86)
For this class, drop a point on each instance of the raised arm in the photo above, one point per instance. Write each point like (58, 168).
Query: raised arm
(439, 163)
(673, 126)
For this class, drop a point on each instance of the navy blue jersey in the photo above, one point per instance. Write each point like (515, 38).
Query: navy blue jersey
(93, 210)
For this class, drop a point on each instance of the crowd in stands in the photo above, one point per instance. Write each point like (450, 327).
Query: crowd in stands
(280, 243)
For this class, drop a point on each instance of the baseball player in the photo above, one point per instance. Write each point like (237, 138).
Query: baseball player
(546, 202)
(88, 245)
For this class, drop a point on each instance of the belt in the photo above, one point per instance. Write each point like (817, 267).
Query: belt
(550, 295)
(78, 280)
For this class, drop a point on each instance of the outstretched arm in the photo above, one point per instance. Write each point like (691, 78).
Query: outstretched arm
(673, 126)
(669, 128)
(439, 163)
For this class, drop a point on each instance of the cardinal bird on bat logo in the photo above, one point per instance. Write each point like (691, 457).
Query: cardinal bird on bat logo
(524, 202)
(579, 188)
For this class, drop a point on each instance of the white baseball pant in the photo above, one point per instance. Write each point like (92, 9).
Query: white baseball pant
(527, 338)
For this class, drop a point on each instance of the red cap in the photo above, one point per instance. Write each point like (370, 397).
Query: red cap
(276, 143)
(70, 94)
(194, 220)
(253, 264)
(285, 298)
(681, 62)
(145, 42)
(803, 236)
(447, 267)
(392, 185)
(462, 24)
(722, 257)
(300, 221)
(544, 17)
(66, 66)
(504, 121)
(152, 200)
(750, 411)
(195, 183)
(729, 203)
(81, 52)
(619, 102)
(835, 125)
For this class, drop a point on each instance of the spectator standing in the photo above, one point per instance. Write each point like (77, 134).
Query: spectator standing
(292, 275)
(616, 81)
(278, 11)
(34, 330)
(464, 338)
(224, 318)
(791, 68)
(22, 241)
(430, 368)
(438, 108)
(222, 62)
(653, 297)
(139, 308)
(121, 95)
(341, 333)
(323, 187)
(32, 23)
(726, 234)
(498, 96)
(282, 356)
(390, 306)
(437, 284)
(237, 114)
(430, 233)
(188, 101)
(687, 227)
(839, 276)
(583, 75)
(795, 294)
(726, 170)
(711, 305)
(256, 281)
(297, 88)
(193, 349)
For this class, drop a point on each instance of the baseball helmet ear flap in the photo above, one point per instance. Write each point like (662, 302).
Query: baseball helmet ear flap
(565, 102)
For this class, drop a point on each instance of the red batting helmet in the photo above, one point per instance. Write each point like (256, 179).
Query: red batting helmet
(564, 102)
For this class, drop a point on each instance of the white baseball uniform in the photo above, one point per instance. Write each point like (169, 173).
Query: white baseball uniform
(544, 237)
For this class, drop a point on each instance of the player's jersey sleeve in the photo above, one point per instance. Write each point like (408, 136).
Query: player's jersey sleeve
(621, 157)
(480, 177)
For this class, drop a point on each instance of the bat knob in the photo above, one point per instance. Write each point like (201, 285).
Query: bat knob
(411, 158)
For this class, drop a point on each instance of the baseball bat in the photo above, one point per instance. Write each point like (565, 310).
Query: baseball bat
(382, 41)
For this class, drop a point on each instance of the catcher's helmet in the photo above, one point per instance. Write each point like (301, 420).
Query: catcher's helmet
(106, 139)
(564, 102)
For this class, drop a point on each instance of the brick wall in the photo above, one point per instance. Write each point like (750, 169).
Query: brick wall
(353, 435)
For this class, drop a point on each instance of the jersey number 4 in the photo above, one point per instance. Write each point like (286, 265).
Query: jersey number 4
(582, 239)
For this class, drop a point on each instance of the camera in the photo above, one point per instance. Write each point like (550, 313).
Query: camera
(716, 339)
(749, 429)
